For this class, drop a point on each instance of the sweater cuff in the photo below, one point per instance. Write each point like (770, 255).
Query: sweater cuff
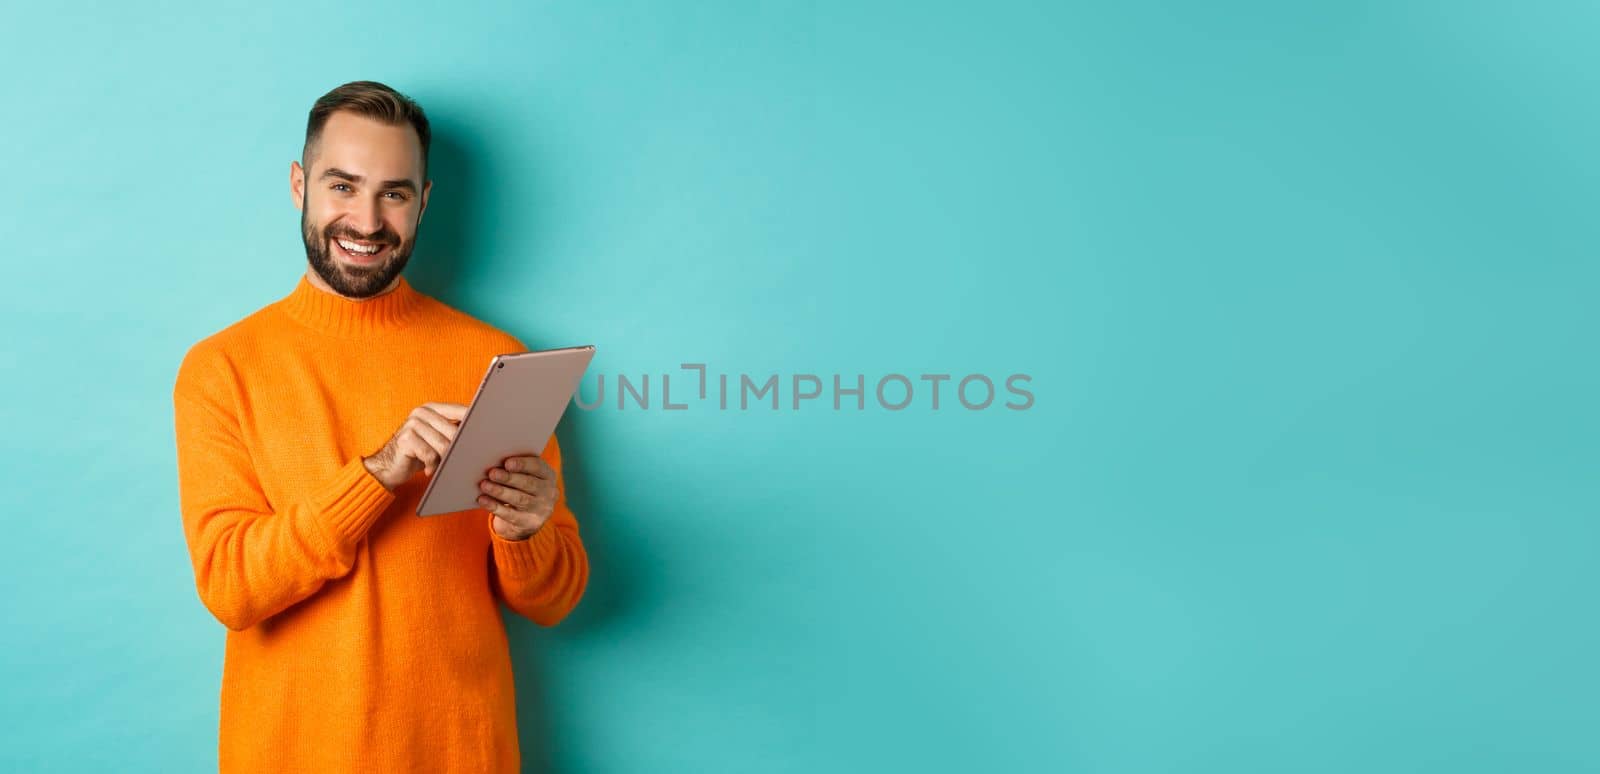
(349, 503)
(522, 558)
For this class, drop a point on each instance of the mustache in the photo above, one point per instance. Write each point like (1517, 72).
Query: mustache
(384, 236)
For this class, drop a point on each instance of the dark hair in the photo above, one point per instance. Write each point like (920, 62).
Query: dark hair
(373, 100)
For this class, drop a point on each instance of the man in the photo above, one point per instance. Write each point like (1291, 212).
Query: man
(361, 637)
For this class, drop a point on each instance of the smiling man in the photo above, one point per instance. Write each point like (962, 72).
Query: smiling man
(361, 637)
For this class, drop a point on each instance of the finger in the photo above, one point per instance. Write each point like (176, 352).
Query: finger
(532, 465)
(523, 499)
(524, 481)
(431, 437)
(437, 421)
(498, 508)
(455, 411)
(412, 445)
(515, 498)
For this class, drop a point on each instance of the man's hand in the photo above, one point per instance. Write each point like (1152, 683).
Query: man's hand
(521, 494)
(419, 444)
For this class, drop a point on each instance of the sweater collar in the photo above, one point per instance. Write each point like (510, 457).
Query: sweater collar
(334, 314)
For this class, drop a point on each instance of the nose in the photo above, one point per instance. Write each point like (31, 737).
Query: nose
(366, 218)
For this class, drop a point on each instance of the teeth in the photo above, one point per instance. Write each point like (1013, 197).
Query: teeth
(355, 248)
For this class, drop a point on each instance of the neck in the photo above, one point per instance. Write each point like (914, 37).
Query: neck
(313, 304)
(319, 283)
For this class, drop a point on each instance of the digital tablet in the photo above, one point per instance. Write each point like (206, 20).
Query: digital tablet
(518, 404)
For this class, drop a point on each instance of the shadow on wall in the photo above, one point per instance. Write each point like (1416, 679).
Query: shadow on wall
(457, 232)
(449, 237)
(611, 590)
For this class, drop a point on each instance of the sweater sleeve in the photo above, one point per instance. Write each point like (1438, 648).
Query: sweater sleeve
(543, 577)
(252, 561)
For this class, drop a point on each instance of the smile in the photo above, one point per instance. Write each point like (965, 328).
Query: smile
(360, 252)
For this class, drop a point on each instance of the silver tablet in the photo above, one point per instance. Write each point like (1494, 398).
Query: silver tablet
(518, 404)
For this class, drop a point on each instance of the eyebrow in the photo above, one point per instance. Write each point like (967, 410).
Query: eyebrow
(343, 175)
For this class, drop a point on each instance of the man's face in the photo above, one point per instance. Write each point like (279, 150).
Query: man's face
(360, 200)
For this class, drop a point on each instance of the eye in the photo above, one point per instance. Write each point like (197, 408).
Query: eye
(337, 186)
(399, 197)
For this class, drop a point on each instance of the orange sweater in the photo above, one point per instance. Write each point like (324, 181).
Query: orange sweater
(361, 637)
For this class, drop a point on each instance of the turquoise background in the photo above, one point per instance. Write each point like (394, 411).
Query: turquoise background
(1306, 292)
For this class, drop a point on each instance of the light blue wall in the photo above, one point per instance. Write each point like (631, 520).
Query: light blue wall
(1306, 294)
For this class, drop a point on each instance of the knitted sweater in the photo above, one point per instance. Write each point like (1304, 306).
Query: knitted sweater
(361, 637)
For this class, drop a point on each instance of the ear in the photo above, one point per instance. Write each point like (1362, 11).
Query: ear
(427, 185)
(297, 184)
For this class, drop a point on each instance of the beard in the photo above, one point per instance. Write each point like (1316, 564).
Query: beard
(350, 280)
